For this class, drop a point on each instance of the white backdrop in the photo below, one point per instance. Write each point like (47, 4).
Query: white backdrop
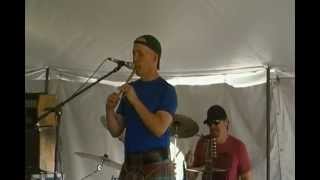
(81, 130)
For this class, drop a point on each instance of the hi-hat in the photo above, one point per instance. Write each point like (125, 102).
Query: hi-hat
(202, 169)
(106, 160)
(183, 126)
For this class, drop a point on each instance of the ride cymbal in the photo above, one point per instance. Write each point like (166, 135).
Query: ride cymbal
(183, 126)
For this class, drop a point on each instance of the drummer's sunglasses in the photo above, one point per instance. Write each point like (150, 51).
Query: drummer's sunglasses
(215, 122)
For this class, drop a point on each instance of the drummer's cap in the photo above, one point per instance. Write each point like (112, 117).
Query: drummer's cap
(215, 113)
(151, 42)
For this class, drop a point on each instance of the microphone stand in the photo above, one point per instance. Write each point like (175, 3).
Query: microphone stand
(57, 110)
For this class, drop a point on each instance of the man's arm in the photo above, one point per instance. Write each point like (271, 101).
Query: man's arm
(157, 122)
(114, 122)
(245, 163)
(246, 176)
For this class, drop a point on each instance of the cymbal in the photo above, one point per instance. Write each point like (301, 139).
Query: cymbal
(202, 169)
(183, 126)
(106, 160)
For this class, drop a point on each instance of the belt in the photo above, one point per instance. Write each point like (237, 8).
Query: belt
(148, 157)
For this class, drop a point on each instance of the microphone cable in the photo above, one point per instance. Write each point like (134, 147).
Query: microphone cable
(95, 71)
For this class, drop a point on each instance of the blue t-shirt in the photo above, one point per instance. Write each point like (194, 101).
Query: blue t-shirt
(155, 95)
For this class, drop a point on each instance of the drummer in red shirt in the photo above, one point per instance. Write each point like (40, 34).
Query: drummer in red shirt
(219, 155)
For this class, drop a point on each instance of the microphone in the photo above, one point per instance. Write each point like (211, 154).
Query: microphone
(127, 64)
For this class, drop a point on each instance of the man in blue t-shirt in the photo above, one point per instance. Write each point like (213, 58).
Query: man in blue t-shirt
(145, 112)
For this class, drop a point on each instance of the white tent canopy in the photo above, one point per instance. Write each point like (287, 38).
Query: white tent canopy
(196, 36)
(214, 52)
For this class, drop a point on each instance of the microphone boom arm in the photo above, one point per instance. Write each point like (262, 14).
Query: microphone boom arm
(57, 107)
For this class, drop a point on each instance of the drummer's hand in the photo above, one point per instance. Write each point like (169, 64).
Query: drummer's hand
(129, 92)
(112, 101)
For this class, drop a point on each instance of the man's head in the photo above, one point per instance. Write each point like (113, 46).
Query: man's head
(217, 121)
(146, 53)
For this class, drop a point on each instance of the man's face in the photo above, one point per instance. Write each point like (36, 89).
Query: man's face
(144, 59)
(218, 127)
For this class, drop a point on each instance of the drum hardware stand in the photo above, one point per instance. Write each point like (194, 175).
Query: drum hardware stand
(57, 109)
(182, 127)
(176, 136)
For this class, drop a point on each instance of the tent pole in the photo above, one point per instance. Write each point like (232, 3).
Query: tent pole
(268, 121)
(46, 85)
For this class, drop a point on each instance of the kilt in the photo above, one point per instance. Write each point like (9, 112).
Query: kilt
(153, 165)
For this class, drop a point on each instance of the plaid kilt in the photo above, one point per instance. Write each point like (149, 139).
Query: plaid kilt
(138, 170)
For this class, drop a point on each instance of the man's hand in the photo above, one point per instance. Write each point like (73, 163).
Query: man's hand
(113, 120)
(247, 175)
(129, 92)
(112, 101)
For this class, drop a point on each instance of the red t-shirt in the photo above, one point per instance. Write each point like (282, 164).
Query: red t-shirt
(232, 155)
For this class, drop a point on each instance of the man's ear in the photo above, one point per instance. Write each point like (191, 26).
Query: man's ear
(228, 124)
(156, 58)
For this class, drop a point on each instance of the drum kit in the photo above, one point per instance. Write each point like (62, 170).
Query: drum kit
(181, 127)
(184, 127)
